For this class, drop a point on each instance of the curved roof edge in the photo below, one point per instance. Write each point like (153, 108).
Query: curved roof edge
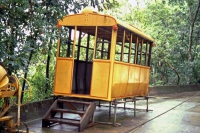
(90, 11)
(134, 29)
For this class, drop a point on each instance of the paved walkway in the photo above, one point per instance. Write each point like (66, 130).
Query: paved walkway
(174, 113)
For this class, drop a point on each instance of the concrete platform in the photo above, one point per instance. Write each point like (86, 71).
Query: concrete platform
(171, 113)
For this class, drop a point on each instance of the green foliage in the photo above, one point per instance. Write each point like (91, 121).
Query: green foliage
(169, 23)
(29, 34)
(39, 81)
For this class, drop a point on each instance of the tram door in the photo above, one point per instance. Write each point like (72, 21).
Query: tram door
(91, 65)
(83, 61)
(73, 68)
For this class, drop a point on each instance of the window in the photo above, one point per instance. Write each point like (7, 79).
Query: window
(85, 43)
(124, 46)
(102, 50)
(66, 42)
(148, 53)
(126, 52)
(143, 54)
(132, 58)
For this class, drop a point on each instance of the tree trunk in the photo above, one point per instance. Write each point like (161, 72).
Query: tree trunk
(25, 75)
(47, 70)
(30, 56)
(192, 22)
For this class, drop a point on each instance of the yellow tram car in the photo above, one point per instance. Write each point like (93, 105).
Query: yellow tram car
(101, 58)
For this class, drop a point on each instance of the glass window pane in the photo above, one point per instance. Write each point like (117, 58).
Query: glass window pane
(82, 54)
(103, 42)
(132, 53)
(66, 42)
(118, 53)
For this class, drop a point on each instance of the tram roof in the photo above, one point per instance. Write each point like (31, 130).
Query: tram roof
(88, 17)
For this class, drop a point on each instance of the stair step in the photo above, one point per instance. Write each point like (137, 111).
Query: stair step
(64, 121)
(73, 101)
(68, 111)
(86, 116)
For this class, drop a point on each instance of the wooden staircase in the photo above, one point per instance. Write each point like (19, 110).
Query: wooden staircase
(75, 113)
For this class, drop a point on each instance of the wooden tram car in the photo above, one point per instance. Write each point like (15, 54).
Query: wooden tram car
(100, 57)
